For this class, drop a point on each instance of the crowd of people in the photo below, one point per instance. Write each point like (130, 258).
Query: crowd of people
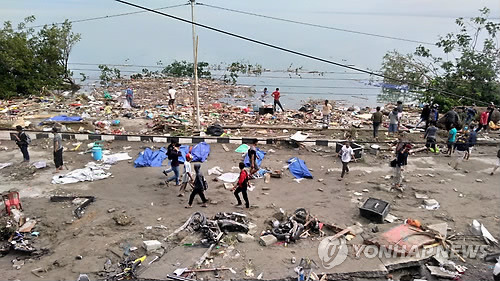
(197, 181)
(460, 142)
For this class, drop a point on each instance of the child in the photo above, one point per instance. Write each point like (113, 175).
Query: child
(186, 177)
(107, 109)
(199, 187)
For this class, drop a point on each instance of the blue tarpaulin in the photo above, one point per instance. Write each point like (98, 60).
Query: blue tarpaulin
(150, 158)
(260, 157)
(64, 118)
(298, 168)
(200, 152)
(184, 149)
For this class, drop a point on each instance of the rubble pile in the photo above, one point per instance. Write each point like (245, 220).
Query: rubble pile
(105, 110)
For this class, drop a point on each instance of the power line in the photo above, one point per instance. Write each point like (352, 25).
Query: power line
(316, 25)
(294, 52)
(110, 16)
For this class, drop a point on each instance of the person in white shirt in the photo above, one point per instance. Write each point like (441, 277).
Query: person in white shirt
(346, 154)
(171, 96)
(186, 177)
(326, 111)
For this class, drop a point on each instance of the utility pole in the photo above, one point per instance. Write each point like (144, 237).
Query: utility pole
(195, 67)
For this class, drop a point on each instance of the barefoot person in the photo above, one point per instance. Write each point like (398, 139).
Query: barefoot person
(187, 178)
(58, 150)
(346, 154)
(241, 186)
(199, 187)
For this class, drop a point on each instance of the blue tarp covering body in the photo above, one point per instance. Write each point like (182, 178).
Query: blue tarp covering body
(150, 158)
(64, 118)
(184, 149)
(200, 152)
(298, 168)
(260, 157)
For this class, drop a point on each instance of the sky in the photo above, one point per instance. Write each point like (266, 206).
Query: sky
(147, 38)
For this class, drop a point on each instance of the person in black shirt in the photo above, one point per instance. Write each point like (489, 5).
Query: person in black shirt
(22, 140)
(199, 187)
(424, 116)
(173, 156)
(252, 155)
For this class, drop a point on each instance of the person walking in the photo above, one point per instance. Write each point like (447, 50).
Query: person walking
(471, 141)
(187, 178)
(241, 186)
(58, 150)
(171, 98)
(346, 154)
(252, 156)
(452, 135)
(451, 118)
(129, 95)
(326, 111)
(398, 164)
(471, 113)
(23, 141)
(461, 148)
(483, 121)
(200, 185)
(173, 156)
(498, 163)
(430, 138)
(424, 116)
(276, 95)
(377, 121)
(434, 113)
(393, 121)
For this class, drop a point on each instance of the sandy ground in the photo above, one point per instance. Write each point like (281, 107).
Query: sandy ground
(140, 194)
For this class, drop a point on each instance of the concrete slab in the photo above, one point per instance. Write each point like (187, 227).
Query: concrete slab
(178, 257)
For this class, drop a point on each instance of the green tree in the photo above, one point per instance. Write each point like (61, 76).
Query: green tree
(31, 61)
(470, 70)
(108, 74)
(186, 69)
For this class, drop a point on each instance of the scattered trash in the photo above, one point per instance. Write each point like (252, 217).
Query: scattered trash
(431, 204)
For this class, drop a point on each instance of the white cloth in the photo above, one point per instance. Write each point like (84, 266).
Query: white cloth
(229, 177)
(187, 171)
(91, 172)
(113, 158)
(3, 165)
(171, 94)
(346, 153)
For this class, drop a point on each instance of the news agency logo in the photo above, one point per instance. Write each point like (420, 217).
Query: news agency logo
(333, 252)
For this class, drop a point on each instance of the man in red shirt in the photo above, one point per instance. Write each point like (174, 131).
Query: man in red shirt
(483, 121)
(241, 186)
(276, 95)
